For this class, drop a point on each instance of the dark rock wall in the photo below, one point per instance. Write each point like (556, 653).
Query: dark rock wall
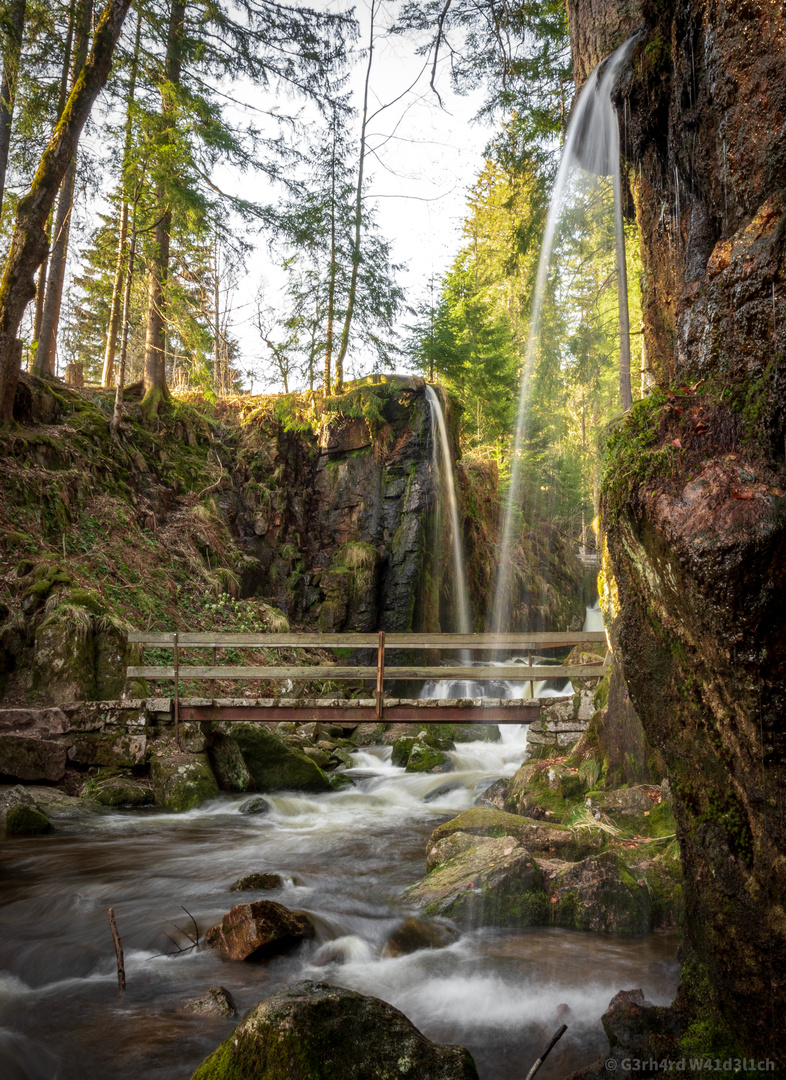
(694, 507)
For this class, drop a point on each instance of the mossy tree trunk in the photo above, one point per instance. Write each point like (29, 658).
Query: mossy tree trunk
(155, 344)
(29, 241)
(47, 341)
(13, 25)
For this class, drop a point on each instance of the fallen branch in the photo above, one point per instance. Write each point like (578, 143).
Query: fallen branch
(121, 971)
(547, 1051)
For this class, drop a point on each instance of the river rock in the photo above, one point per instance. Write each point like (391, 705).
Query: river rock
(448, 847)
(259, 930)
(182, 781)
(23, 819)
(257, 881)
(494, 883)
(414, 934)
(217, 1001)
(118, 791)
(254, 806)
(402, 748)
(494, 796)
(229, 768)
(443, 789)
(628, 802)
(312, 1031)
(27, 758)
(601, 893)
(112, 751)
(275, 766)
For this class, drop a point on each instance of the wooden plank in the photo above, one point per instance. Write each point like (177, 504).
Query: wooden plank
(274, 714)
(484, 642)
(515, 672)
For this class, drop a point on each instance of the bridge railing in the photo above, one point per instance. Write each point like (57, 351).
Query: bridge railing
(489, 643)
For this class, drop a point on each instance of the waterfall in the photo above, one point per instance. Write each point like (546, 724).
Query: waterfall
(443, 468)
(592, 145)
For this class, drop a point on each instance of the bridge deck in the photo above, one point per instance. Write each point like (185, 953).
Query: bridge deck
(504, 711)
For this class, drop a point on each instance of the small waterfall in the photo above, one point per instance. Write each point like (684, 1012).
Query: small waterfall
(592, 145)
(443, 468)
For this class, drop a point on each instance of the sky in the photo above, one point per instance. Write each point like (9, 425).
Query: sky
(418, 179)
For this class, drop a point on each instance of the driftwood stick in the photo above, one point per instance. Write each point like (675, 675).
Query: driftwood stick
(121, 971)
(196, 928)
(557, 1036)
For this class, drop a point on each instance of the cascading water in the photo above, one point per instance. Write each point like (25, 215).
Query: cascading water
(591, 146)
(447, 688)
(344, 857)
(443, 468)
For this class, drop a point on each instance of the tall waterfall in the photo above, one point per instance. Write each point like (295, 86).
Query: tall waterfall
(591, 145)
(443, 469)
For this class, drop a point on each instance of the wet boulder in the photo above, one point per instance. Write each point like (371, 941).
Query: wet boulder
(494, 795)
(217, 1001)
(229, 768)
(601, 893)
(254, 806)
(259, 930)
(26, 819)
(24, 757)
(312, 1031)
(275, 766)
(402, 748)
(448, 847)
(412, 935)
(182, 781)
(494, 883)
(257, 881)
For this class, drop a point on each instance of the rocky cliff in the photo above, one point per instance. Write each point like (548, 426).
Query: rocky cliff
(694, 506)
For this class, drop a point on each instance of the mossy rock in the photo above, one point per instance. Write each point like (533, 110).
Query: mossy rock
(601, 893)
(228, 765)
(534, 835)
(402, 748)
(312, 1031)
(426, 759)
(25, 820)
(182, 781)
(275, 766)
(495, 882)
(117, 791)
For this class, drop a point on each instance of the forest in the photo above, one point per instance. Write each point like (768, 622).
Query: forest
(392, 539)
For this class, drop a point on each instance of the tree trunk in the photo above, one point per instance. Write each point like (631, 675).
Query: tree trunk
(331, 299)
(353, 284)
(29, 242)
(155, 343)
(129, 278)
(14, 29)
(47, 342)
(61, 101)
(108, 372)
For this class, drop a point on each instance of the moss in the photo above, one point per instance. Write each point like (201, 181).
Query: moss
(25, 820)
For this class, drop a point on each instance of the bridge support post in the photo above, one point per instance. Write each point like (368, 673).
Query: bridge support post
(380, 694)
(177, 689)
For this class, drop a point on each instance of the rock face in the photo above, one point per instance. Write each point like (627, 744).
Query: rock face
(693, 503)
(312, 1031)
(259, 930)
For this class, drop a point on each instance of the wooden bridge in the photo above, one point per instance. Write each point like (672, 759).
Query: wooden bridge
(273, 710)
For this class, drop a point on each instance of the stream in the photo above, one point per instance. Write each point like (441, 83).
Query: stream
(346, 857)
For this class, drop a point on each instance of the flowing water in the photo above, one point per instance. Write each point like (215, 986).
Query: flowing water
(346, 856)
(591, 146)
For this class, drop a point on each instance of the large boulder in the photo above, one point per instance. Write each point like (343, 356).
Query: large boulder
(26, 758)
(601, 893)
(312, 1031)
(23, 819)
(275, 766)
(117, 791)
(182, 781)
(258, 930)
(494, 883)
(229, 768)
